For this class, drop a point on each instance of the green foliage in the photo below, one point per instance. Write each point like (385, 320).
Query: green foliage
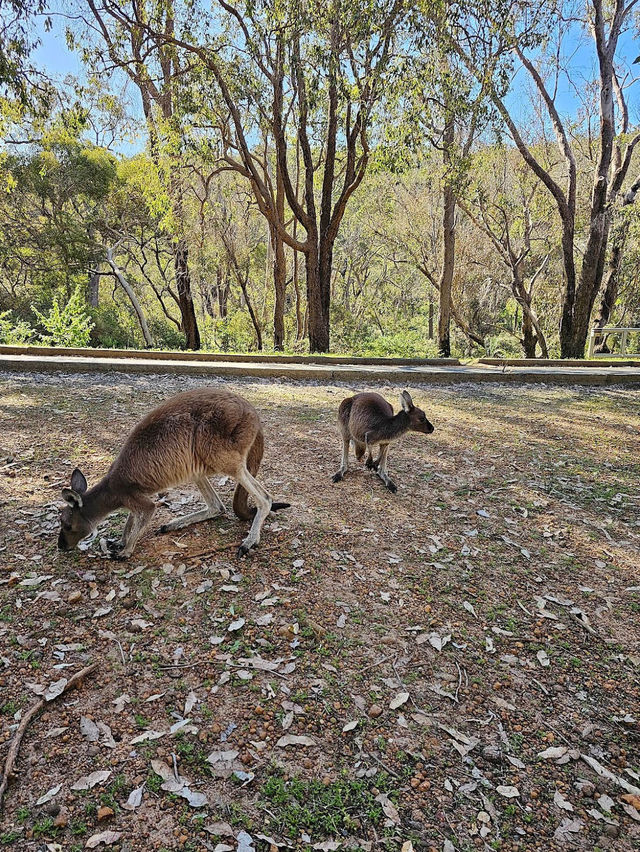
(68, 325)
(14, 332)
(324, 809)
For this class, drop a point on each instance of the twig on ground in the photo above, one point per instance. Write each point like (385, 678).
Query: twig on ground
(586, 627)
(223, 663)
(384, 766)
(544, 689)
(12, 754)
(377, 663)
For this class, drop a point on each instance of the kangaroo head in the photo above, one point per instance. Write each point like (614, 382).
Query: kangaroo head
(417, 418)
(74, 526)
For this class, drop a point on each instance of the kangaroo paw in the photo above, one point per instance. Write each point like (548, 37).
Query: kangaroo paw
(243, 550)
(371, 464)
(116, 554)
(162, 530)
(337, 477)
(391, 486)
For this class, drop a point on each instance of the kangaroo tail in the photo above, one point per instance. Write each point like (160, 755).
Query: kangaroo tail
(240, 495)
(277, 506)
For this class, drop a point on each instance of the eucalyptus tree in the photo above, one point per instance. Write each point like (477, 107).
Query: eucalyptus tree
(443, 108)
(317, 77)
(113, 38)
(506, 206)
(533, 40)
(18, 77)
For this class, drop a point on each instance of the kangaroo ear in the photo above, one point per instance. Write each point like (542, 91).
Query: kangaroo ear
(72, 498)
(78, 482)
(405, 401)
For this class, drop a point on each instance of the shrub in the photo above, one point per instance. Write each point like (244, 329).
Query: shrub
(14, 332)
(66, 326)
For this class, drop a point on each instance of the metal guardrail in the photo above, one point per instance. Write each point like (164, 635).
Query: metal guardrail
(599, 333)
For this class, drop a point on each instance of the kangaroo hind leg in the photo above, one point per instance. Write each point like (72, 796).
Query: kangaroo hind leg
(215, 507)
(381, 468)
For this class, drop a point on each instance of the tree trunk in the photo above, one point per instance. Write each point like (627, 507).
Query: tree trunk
(223, 288)
(529, 337)
(280, 288)
(252, 314)
(318, 323)
(609, 295)
(185, 298)
(300, 330)
(430, 320)
(131, 295)
(618, 241)
(448, 245)
(93, 290)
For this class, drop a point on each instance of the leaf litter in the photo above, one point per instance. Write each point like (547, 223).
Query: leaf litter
(504, 650)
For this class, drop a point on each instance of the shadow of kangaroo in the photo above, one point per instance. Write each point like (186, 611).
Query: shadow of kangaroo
(367, 419)
(188, 438)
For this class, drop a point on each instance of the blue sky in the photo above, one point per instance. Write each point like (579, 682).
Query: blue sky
(57, 60)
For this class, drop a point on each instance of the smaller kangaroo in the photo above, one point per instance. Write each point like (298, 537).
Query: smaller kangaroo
(187, 438)
(368, 419)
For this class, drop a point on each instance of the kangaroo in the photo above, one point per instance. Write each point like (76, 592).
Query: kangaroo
(368, 419)
(187, 438)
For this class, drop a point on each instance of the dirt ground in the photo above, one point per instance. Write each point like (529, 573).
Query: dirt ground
(453, 667)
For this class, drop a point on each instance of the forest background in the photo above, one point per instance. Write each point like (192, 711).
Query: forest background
(374, 177)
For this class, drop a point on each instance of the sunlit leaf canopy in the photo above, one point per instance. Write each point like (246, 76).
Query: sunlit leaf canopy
(390, 177)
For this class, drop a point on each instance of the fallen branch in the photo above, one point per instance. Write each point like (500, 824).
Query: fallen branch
(24, 724)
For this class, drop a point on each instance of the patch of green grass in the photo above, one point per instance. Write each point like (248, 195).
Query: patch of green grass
(323, 809)
(192, 755)
(117, 787)
(9, 837)
(44, 826)
(78, 827)
(154, 782)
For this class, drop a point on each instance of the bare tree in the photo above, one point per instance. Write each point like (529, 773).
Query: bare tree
(503, 211)
(583, 269)
(150, 61)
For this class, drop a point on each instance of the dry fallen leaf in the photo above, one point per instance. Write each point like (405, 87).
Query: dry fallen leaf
(400, 699)
(553, 753)
(86, 782)
(135, 799)
(291, 739)
(55, 689)
(566, 829)
(509, 792)
(89, 729)
(46, 797)
(245, 842)
(104, 837)
(560, 801)
(390, 810)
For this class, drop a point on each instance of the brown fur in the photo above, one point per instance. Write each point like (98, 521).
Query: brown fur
(185, 439)
(367, 419)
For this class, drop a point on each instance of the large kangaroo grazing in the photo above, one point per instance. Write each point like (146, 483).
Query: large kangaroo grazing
(368, 419)
(186, 439)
